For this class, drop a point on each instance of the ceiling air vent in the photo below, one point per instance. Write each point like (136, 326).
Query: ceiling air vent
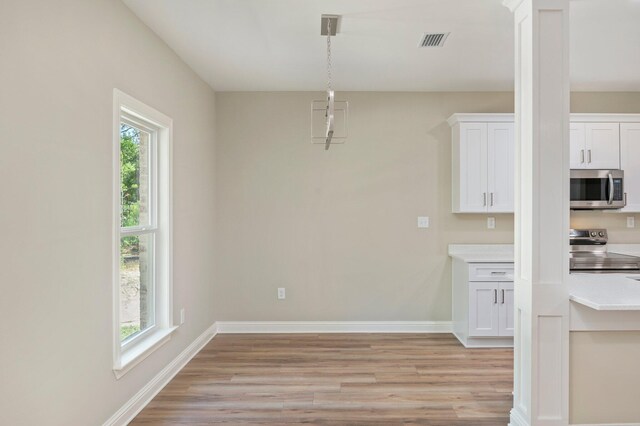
(433, 39)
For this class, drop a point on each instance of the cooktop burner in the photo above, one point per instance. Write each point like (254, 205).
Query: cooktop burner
(603, 262)
(589, 253)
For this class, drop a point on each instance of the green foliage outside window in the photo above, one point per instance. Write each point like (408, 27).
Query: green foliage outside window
(129, 182)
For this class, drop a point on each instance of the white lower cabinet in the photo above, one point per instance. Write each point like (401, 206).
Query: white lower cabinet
(507, 310)
(490, 309)
(483, 303)
(484, 315)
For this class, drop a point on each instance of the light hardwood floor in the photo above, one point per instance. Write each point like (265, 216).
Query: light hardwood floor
(354, 379)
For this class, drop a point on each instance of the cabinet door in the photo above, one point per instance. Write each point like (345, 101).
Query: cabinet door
(483, 309)
(577, 150)
(603, 145)
(500, 168)
(507, 309)
(630, 163)
(473, 167)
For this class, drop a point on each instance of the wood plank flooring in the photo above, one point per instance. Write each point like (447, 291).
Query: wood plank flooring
(338, 379)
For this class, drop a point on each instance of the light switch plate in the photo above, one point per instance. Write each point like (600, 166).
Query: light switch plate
(182, 316)
(491, 222)
(631, 222)
(281, 293)
(423, 221)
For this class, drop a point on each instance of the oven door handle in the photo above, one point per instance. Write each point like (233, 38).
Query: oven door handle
(610, 189)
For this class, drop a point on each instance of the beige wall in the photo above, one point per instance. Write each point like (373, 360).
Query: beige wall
(337, 229)
(604, 377)
(59, 63)
(615, 223)
(609, 102)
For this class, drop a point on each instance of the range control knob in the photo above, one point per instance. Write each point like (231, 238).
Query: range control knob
(593, 233)
(601, 234)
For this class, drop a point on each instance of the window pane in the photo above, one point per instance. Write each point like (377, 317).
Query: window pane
(134, 176)
(136, 285)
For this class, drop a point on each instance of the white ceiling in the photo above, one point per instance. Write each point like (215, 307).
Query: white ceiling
(247, 45)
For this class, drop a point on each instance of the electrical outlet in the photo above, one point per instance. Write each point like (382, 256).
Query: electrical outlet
(281, 293)
(423, 221)
(631, 222)
(491, 222)
(181, 316)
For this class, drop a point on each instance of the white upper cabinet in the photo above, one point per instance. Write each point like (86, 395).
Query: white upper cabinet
(483, 160)
(473, 173)
(501, 165)
(483, 163)
(630, 163)
(577, 146)
(595, 145)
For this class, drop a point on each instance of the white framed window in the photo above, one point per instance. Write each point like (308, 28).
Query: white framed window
(142, 231)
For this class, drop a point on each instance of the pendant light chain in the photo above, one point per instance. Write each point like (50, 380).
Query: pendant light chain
(328, 54)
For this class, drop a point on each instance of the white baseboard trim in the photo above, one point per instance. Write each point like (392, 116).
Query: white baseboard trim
(484, 342)
(517, 419)
(140, 400)
(607, 424)
(334, 327)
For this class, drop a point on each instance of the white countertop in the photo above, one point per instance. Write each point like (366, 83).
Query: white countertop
(630, 249)
(482, 253)
(603, 292)
(606, 292)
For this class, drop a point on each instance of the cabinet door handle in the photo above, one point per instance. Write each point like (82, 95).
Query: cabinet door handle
(611, 189)
(492, 199)
(581, 156)
(484, 199)
(502, 296)
(498, 272)
(589, 152)
(495, 295)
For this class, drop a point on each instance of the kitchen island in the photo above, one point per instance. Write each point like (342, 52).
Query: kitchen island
(604, 349)
(606, 292)
(605, 345)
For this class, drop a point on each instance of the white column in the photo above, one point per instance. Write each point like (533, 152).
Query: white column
(541, 376)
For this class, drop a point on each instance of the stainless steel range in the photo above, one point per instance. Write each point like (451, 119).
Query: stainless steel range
(589, 253)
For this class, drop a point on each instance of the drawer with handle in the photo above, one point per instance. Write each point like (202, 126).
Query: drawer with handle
(491, 272)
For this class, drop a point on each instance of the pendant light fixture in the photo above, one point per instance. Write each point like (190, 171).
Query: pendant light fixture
(329, 27)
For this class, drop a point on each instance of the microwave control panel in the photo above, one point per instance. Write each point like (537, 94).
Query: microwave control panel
(617, 190)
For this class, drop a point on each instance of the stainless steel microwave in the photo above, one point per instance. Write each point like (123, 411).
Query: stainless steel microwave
(597, 189)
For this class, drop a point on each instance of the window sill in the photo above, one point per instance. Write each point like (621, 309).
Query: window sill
(130, 357)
